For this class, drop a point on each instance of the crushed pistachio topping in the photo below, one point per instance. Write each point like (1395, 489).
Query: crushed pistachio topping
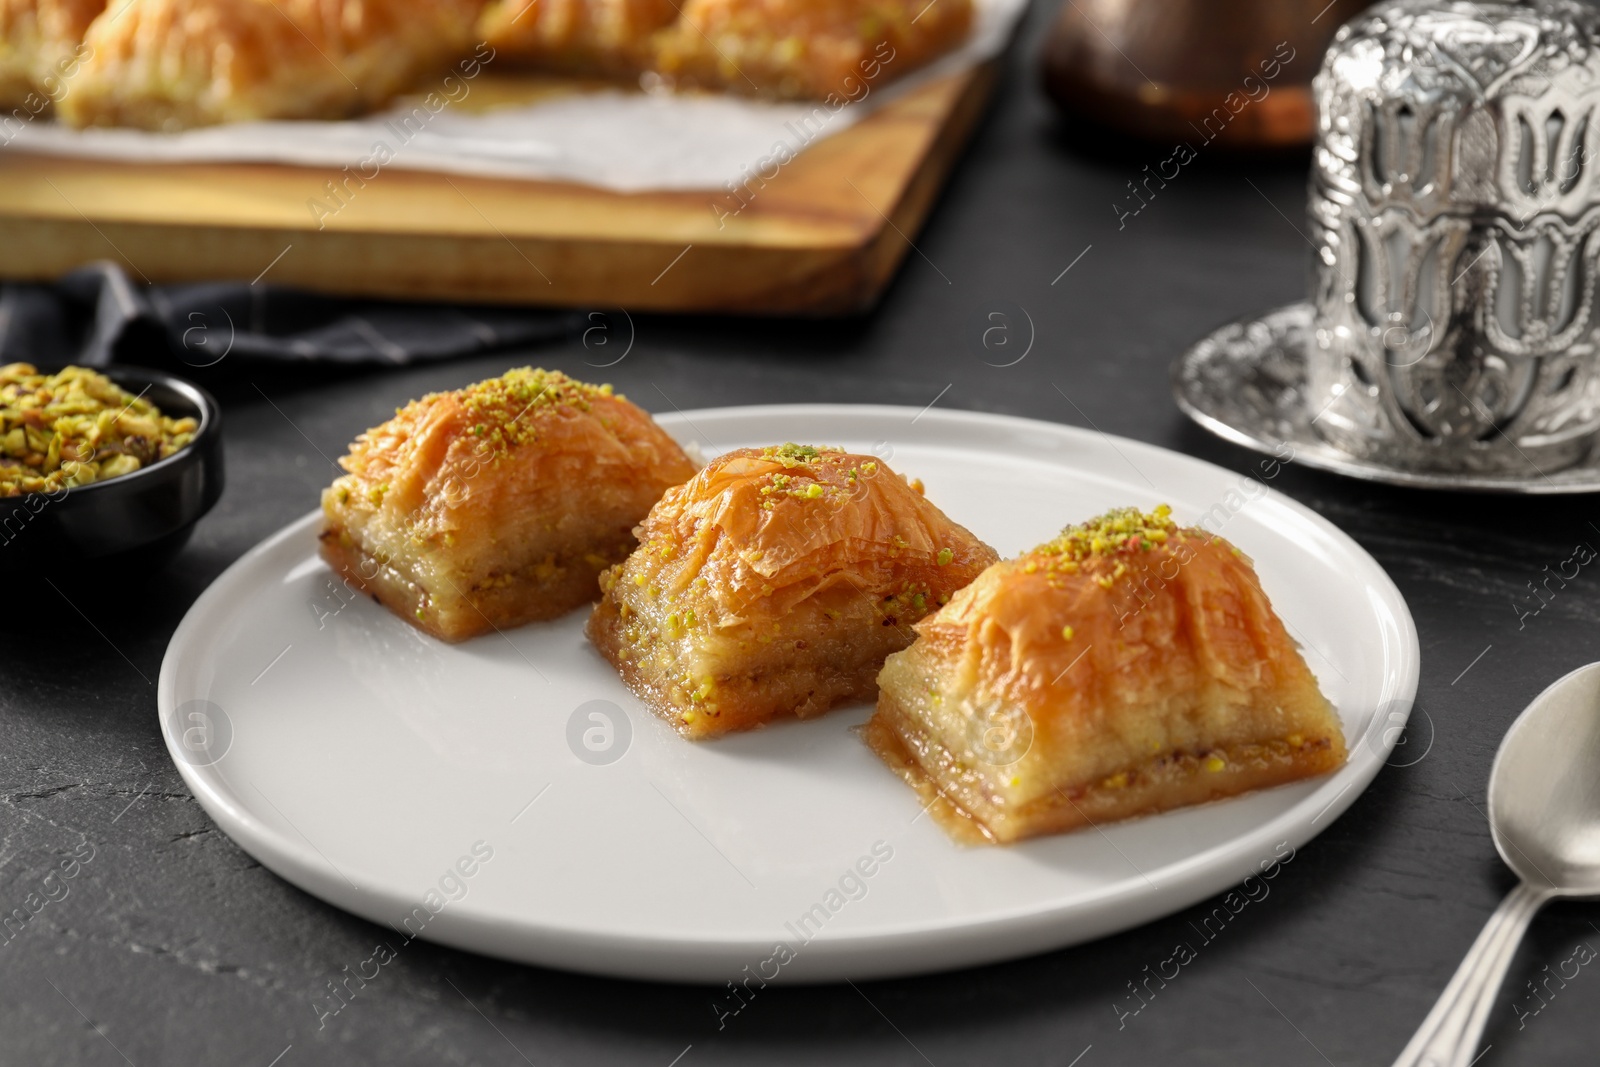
(77, 427)
(1123, 531)
(945, 556)
(793, 455)
(507, 409)
(910, 595)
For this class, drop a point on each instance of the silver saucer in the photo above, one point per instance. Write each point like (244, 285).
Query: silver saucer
(1246, 384)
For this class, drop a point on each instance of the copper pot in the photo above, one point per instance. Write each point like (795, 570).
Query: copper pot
(1231, 72)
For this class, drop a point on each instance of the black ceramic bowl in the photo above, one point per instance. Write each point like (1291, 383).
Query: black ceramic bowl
(136, 520)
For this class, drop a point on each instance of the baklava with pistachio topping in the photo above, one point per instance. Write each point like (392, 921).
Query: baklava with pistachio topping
(497, 504)
(1127, 667)
(582, 37)
(835, 51)
(774, 583)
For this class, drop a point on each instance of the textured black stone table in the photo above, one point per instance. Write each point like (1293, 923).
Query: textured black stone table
(171, 946)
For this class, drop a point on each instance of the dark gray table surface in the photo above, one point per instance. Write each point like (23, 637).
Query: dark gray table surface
(172, 946)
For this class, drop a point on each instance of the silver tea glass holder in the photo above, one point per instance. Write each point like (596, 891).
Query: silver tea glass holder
(1452, 335)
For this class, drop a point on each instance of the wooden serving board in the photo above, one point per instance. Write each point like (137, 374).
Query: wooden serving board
(823, 237)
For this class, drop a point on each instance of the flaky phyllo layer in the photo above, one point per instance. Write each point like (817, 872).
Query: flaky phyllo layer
(172, 64)
(1128, 666)
(834, 51)
(775, 582)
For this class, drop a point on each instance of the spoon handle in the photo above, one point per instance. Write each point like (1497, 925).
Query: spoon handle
(1449, 1036)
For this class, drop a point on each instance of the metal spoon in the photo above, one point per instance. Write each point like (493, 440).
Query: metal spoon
(1544, 814)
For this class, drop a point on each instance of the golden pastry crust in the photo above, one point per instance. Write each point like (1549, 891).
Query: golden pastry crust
(172, 64)
(1128, 667)
(41, 49)
(807, 48)
(774, 583)
(603, 37)
(497, 504)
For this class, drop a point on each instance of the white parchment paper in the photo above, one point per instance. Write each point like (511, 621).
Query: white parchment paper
(625, 141)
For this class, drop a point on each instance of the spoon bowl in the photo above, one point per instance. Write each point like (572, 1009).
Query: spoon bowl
(1544, 790)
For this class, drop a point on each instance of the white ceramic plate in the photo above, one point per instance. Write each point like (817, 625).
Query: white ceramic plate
(439, 789)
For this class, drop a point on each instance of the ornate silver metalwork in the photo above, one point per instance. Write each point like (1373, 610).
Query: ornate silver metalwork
(1455, 196)
(1247, 383)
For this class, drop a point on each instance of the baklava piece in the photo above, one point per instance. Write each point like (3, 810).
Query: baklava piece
(497, 504)
(597, 37)
(1128, 667)
(774, 583)
(817, 49)
(41, 47)
(173, 64)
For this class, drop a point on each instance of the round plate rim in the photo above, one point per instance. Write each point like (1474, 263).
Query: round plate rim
(1022, 931)
(1312, 451)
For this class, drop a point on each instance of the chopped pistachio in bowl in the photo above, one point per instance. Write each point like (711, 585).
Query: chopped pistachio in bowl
(76, 427)
(137, 512)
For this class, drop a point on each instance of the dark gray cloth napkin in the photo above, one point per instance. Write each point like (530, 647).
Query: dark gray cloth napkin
(97, 315)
